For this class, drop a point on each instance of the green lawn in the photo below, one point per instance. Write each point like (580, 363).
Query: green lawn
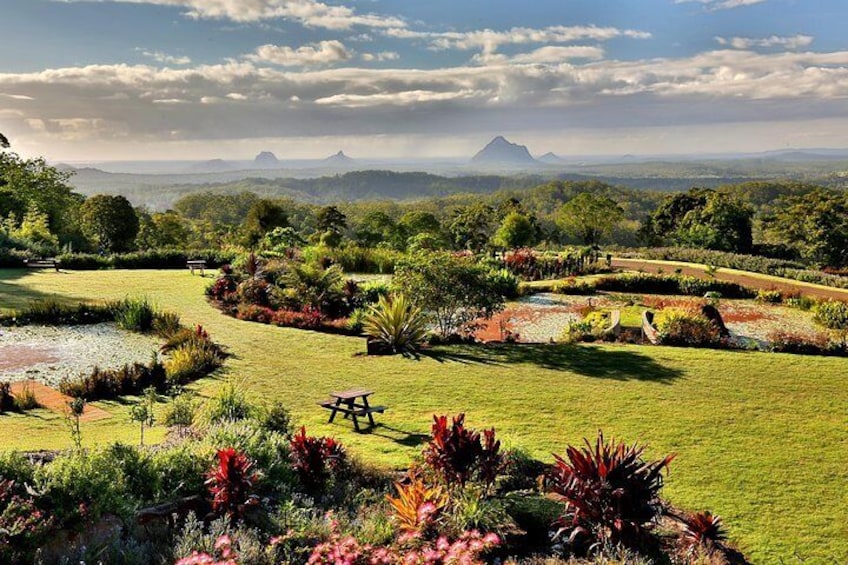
(762, 438)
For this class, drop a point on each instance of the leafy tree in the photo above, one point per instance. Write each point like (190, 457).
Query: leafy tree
(35, 228)
(110, 222)
(217, 209)
(263, 216)
(471, 226)
(280, 239)
(701, 218)
(416, 221)
(330, 218)
(816, 224)
(453, 290)
(32, 182)
(516, 230)
(162, 229)
(378, 227)
(590, 217)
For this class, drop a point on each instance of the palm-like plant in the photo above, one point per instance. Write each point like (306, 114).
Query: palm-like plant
(396, 323)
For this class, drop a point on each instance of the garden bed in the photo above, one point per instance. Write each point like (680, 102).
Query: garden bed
(50, 354)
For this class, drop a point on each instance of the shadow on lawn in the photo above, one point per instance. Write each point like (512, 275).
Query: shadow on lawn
(401, 437)
(14, 296)
(618, 364)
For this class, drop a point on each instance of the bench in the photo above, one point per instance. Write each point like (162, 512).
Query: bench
(197, 265)
(346, 403)
(42, 264)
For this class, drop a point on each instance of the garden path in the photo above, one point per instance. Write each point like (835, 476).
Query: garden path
(54, 400)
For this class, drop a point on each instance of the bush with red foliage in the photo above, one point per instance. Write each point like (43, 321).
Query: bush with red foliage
(611, 494)
(230, 482)
(307, 319)
(254, 313)
(221, 288)
(457, 454)
(781, 341)
(703, 529)
(315, 459)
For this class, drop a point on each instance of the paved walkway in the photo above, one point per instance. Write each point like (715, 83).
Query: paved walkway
(54, 400)
(750, 280)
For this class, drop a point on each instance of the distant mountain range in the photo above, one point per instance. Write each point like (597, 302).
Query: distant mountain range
(266, 159)
(339, 160)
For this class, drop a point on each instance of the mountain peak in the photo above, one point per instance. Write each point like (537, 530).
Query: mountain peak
(266, 158)
(501, 150)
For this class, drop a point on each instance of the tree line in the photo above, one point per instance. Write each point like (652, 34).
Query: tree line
(41, 212)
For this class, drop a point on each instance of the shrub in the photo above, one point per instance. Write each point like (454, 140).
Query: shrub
(7, 400)
(230, 404)
(670, 284)
(254, 313)
(781, 341)
(574, 287)
(254, 291)
(181, 411)
(686, 328)
(112, 383)
(23, 525)
(769, 296)
(276, 418)
(315, 459)
(134, 314)
(457, 454)
(416, 505)
(195, 358)
(307, 319)
(25, 399)
(611, 493)
(230, 482)
(222, 287)
(797, 300)
(53, 312)
(532, 266)
(832, 314)
(166, 324)
(703, 529)
(356, 321)
(396, 324)
(505, 283)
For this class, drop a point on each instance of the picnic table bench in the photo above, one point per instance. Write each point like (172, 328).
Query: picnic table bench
(50, 263)
(197, 264)
(346, 403)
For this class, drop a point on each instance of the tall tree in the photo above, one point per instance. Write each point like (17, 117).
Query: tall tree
(816, 224)
(516, 230)
(590, 217)
(264, 215)
(110, 222)
(471, 226)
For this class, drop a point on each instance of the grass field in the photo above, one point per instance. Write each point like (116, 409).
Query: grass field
(762, 438)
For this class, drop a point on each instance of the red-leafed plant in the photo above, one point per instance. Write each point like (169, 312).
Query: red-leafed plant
(454, 450)
(315, 459)
(230, 482)
(703, 529)
(611, 494)
(492, 461)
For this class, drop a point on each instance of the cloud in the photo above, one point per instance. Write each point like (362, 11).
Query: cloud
(791, 42)
(544, 55)
(310, 13)
(161, 57)
(381, 56)
(552, 86)
(490, 40)
(321, 53)
(713, 5)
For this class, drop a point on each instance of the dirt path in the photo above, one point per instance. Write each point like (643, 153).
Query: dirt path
(54, 400)
(755, 280)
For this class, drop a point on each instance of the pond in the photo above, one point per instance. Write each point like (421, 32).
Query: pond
(49, 354)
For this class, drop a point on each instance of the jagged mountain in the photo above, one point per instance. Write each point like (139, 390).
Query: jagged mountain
(266, 159)
(499, 151)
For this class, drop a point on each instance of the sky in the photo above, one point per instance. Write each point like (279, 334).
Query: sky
(85, 80)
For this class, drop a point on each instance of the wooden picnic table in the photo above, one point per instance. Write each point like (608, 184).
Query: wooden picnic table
(347, 402)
